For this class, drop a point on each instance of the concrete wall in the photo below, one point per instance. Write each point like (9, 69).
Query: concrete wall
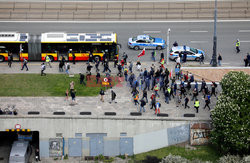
(142, 135)
(122, 10)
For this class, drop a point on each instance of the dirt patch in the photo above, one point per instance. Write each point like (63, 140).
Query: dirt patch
(212, 74)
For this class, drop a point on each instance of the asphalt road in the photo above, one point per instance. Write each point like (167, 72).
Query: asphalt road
(195, 34)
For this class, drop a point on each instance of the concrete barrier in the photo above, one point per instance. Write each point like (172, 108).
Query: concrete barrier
(123, 11)
(85, 113)
(18, 15)
(7, 5)
(65, 15)
(110, 113)
(35, 15)
(115, 6)
(50, 15)
(59, 113)
(4, 15)
(22, 5)
(99, 5)
(33, 112)
(189, 115)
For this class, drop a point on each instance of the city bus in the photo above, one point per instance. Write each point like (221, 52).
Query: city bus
(14, 43)
(57, 45)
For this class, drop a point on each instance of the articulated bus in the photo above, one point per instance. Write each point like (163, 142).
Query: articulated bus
(57, 45)
(15, 43)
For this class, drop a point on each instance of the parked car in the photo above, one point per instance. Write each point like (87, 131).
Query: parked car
(20, 152)
(147, 42)
(193, 54)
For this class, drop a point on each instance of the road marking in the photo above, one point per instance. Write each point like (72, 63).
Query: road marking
(151, 31)
(244, 31)
(135, 21)
(198, 31)
(244, 41)
(104, 32)
(198, 42)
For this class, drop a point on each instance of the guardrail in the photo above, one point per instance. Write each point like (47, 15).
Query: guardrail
(122, 10)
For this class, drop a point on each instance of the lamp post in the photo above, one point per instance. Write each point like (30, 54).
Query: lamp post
(168, 35)
(214, 57)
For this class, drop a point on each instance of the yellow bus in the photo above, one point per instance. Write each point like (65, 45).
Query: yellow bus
(15, 43)
(57, 45)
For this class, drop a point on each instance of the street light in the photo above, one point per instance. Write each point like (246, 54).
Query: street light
(214, 57)
(168, 35)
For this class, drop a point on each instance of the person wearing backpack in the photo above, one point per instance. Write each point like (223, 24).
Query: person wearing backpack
(143, 103)
(136, 97)
(207, 102)
(67, 68)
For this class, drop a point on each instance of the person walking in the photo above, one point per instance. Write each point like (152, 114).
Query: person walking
(73, 96)
(143, 103)
(167, 96)
(61, 64)
(157, 109)
(67, 68)
(213, 92)
(178, 100)
(66, 95)
(130, 67)
(25, 62)
(246, 61)
(207, 102)
(219, 60)
(136, 97)
(82, 76)
(153, 55)
(102, 95)
(202, 59)
(237, 46)
(37, 155)
(10, 59)
(197, 105)
(74, 58)
(47, 60)
(97, 62)
(98, 76)
(43, 67)
(156, 89)
(186, 102)
(153, 101)
(113, 96)
(195, 94)
(126, 73)
(248, 58)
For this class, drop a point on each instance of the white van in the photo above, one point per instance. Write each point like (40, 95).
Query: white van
(20, 152)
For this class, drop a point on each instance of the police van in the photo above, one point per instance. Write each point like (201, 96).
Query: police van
(193, 54)
(20, 152)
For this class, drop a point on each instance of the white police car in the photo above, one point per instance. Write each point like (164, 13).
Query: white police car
(147, 42)
(192, 53)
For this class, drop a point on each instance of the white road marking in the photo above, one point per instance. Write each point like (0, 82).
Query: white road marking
(151, 31)
(198, 31)
(244, 31)
(198, 42)
(104, 32)
(135, 21)
(244, 41)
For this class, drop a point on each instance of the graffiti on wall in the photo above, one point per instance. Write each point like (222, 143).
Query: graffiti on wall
(199, 133)
(55, 147)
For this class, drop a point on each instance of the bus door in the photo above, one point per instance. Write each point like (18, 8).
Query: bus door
(63, 51)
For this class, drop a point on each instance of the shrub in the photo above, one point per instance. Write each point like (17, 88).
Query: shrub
(231, 159)
(174, 159)
(230, 117)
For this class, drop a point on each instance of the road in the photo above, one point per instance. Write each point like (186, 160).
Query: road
(195, 34)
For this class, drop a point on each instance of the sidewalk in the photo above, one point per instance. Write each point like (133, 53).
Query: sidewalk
(47, 105)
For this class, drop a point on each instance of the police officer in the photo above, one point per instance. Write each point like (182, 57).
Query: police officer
(237, 45)
(197, 105)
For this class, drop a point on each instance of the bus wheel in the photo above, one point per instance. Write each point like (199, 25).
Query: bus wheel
(51, 58)
(97, 58)
(1, 58)
(136, 47)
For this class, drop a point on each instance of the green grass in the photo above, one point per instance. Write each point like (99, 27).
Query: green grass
(49, 85)
(204, 153)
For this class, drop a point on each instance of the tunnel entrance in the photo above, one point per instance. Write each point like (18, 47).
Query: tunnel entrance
(9, 136)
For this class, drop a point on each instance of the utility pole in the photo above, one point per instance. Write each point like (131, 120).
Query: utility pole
(168, 35)
(214, 57)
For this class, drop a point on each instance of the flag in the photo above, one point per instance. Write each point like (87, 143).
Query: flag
(170, 74)
(142, 53)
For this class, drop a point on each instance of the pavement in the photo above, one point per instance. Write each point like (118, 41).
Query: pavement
(47, 105)
(196, 34)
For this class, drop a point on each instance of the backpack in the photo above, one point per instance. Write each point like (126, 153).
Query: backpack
(68, 66)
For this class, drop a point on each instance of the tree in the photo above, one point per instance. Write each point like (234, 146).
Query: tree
(231, 115)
